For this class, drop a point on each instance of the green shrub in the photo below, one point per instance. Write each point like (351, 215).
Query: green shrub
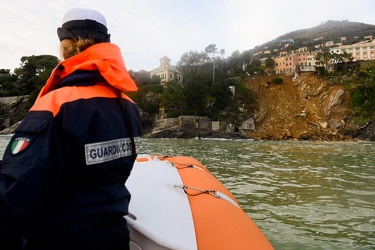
(277, 80)
(173, 113)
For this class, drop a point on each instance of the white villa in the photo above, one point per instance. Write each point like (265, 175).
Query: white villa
(167, 72)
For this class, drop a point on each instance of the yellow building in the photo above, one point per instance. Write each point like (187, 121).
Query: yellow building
(167, 72)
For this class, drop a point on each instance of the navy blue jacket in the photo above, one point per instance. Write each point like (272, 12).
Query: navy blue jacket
(71, 155)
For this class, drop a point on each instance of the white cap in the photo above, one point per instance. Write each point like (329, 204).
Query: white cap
(84, 23)
(83, 14)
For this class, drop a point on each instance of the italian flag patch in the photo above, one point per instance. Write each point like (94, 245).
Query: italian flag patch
(19, 144)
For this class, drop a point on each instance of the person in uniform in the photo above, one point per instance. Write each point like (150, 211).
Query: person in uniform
(63, 174)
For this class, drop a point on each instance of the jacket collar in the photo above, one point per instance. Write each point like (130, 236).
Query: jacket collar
(103, 57)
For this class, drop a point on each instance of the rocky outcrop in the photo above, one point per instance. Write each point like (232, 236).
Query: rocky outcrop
(12, 111)
(366, 132)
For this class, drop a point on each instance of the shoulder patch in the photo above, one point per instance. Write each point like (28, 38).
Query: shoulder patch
(19, 144)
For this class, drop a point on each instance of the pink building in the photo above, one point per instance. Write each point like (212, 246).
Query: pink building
(288, 63)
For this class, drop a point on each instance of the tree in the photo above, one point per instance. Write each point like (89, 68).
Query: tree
(141, 77)
(148, 97)
(347, 57)
(244, 96)
(363, 95)
(172, 97)
(235, 61)
(222, 95)
(34, 72)
(195, 94)
(322, 58)
(222, 52)
(155, 79)
(7, 81)
(190, 61)
(256, 62)
(270, 63)
(212, 49)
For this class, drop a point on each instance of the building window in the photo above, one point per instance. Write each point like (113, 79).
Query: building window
(171, 76)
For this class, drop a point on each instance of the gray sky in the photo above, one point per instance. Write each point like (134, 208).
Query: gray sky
(147, 30)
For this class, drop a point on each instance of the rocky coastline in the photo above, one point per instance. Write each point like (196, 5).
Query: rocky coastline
(184, 133)
(13, 113)
(365, 134)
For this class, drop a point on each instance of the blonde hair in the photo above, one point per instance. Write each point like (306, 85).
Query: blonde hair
(70, 47)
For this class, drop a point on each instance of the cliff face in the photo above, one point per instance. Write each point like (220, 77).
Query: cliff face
(307, 108)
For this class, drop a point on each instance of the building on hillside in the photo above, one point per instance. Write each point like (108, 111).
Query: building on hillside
(167, 72)
(329, 43)
(286, 64)
(318, 46)
(279, 65)
(318, 39)
(362, 51)
(303, 61)
(302, 49)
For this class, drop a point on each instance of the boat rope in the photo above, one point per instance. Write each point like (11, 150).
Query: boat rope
(185, 165)
(213, 193)
(163, 157)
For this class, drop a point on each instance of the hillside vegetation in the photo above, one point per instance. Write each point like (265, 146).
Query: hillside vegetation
(353, 32)
(333, 30)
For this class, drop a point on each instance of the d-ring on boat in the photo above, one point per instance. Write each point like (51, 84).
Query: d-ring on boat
(178, 204)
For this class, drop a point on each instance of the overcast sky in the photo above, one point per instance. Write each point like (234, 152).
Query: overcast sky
(147, 30)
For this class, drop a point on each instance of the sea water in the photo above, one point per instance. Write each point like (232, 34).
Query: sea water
(302, 195)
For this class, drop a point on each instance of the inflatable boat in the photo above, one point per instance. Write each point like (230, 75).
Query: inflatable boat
(178, 204)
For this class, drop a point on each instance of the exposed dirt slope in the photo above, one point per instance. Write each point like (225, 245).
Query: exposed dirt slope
(307, 108)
